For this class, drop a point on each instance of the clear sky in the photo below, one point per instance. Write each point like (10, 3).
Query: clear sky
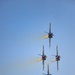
(23, 22)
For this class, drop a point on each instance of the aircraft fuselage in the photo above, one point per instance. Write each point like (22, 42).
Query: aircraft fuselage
(57, 58)
(50, 35)
(44, 57)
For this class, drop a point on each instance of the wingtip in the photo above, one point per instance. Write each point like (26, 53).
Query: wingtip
(57, 70)
(56, 44)
(49, 47)
(43, 45)
(50, 23)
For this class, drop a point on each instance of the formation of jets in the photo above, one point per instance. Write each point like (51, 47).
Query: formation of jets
(57, 57)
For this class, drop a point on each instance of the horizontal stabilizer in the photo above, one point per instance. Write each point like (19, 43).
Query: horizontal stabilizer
(40, 54)
(53, 55)
(45, 32)
(43, 73)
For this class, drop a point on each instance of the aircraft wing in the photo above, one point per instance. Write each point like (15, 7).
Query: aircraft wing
(57, 65)
(43, 64)
(49, 42)
(43, 50)
(50, 28)
(48, 70)
(57, 50)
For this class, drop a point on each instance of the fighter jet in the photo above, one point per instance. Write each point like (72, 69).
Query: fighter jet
(57, 57)
(50, 35)
(48, 72)
(43, 57)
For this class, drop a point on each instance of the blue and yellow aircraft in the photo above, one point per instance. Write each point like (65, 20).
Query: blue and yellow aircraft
(48, 72)
(57, 57)
(50, 35)
(43, 57)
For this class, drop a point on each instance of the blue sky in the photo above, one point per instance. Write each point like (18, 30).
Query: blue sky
(23, 22)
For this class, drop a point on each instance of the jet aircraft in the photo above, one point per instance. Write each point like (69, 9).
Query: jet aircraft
(43, 57)
(57, 57)
(50, 35)
(48, 72)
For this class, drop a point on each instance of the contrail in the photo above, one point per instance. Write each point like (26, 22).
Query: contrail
(19, 66)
